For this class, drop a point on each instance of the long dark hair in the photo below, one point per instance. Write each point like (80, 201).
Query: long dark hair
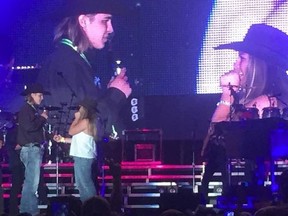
(70, 28)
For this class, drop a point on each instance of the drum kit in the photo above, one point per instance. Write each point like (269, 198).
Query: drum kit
(246, 113)
(6, 123)
(6, 120)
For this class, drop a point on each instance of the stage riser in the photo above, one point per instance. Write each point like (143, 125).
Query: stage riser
(144, 183)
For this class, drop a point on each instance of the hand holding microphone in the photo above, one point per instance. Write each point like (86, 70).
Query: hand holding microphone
(121, 82)
(45, 113)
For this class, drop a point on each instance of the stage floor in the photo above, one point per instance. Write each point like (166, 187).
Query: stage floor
(152, 186)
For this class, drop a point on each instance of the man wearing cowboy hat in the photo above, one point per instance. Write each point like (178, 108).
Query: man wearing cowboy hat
(30, 136)
(68, 74)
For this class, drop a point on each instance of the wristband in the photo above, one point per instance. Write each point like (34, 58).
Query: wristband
(223, 102)
(62, 140)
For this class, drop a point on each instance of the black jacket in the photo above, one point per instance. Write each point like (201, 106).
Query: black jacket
(30, 129)
(65, 72)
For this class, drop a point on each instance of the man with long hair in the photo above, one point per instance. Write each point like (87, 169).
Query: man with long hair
(68, 73)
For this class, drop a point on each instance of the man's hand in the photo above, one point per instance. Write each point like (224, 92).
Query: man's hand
(120, 82)
(45, 114)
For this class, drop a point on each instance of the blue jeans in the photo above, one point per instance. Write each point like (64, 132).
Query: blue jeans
(32, 159)
(83, 177)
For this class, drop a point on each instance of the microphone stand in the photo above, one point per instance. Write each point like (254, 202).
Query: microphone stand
(56, 158)
(73, 95)
(193, 161)
(235, 102)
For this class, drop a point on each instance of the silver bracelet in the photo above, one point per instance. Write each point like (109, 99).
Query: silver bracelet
(223, 102)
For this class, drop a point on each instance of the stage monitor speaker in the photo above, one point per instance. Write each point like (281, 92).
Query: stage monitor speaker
(182, 201)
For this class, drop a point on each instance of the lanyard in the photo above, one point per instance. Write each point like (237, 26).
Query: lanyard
(32, 105)
(70, 44)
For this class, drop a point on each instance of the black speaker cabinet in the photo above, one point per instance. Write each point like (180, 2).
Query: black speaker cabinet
(183, 200)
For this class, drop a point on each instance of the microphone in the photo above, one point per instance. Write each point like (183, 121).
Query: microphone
(234, 94)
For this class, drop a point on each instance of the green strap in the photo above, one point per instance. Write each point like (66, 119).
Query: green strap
(70, 44)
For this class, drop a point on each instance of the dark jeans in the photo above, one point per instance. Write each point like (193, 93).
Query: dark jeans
(217, 162)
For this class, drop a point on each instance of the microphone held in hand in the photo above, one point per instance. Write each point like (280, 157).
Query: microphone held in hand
(117, 67)
(234, 94)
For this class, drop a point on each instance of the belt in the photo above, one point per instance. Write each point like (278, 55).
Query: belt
(32, 145)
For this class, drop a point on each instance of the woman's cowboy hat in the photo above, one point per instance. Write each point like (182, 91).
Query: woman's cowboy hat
(265, 42)
(89, 104)
(77, 7)
(34, 88)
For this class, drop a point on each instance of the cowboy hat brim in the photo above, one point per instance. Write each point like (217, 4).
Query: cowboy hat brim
(78, 7)
(89, 104)
(25, 93)
(259, 51)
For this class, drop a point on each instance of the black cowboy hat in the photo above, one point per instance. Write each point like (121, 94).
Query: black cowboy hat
(89, 104)
(77, 7)
(34, 88)
(265, 42)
